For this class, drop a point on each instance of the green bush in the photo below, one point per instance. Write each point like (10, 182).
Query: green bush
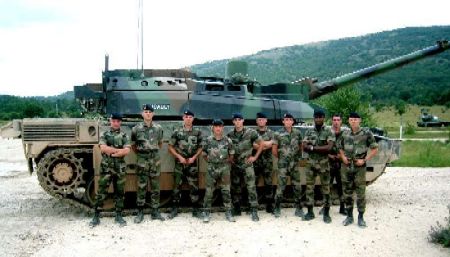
(440, 234)
(410, 129)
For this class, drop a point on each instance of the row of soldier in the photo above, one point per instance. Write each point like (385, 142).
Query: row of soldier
(241, 155)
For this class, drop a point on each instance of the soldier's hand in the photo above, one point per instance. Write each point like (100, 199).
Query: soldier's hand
(191, 160)
(182, 160)
(250, 159)
(360, 162)
(345, 160)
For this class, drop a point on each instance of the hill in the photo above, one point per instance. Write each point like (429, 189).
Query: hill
(426, 82)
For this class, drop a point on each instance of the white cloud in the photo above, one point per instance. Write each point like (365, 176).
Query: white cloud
(50, 56)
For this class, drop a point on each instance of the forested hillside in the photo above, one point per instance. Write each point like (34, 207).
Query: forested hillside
(426, 82)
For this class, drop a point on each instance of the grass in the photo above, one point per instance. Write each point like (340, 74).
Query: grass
(441, 233)
(424, 154)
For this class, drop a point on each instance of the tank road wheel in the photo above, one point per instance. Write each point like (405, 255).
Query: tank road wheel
(59, 171)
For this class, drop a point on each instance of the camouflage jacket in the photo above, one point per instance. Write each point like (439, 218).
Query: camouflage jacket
(356, 145)
(288, 143)
(114, 138)
(266, 135)
(186, 142)
(243, 142)
(147, 138)
(316, 137)
(217, 151)
(338, 136)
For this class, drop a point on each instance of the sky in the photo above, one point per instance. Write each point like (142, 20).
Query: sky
(48, 46)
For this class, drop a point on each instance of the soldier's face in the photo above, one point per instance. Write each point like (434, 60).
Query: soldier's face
(288, 122)
(354, 122)
(261, 122)
(238, 123)
(318, 120)
(336, 121)
(188, 120)
(217, 130)
(147, 115)
(115, 123)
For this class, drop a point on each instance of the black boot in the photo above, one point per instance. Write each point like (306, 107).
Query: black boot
(310, 215)
(269, 207)
(361, 222)
(206, 216)
(156, 215)
(119, 219)
(254, 214)
(342, 208)
(349, 219)
(95, 220)
(299, 211)
(229, 216)
(326, 215)
(277, 210)
(174, 211)
(140, 215)
(237, 209)
(269, 200)
(196, 212)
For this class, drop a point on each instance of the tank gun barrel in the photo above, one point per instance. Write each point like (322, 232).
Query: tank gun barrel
(322, 88)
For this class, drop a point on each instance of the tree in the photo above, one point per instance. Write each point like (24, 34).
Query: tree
(347, 100)
(32, 110)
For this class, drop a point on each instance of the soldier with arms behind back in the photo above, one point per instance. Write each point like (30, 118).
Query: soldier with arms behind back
(147, 137)
(114, 145)
(185, 146)
(356, 147)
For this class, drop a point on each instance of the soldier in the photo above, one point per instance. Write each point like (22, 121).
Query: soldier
(287, 148)
(114, 145)
(218, 151)
(335, 161)
(356, 147)
(147, 138)
(316, 145)
(243, 139)
(185, 146)
(264, 164)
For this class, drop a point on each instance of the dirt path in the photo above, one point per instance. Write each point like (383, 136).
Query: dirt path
(402, 205)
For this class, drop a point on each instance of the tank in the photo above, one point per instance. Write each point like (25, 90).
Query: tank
(65, 152)
(427, 119)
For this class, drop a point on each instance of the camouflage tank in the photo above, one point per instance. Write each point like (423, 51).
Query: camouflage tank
(66, 155)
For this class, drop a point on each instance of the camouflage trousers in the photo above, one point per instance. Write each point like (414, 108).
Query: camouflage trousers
(217, 174)
(321, 169)
(335, 173)
(148, 168)
(190, 174)
(354, 181)
(242, 171)
(288, 167)
(112, 170)
(264, 168)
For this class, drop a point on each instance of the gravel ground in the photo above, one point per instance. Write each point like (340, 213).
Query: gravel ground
(401, 207)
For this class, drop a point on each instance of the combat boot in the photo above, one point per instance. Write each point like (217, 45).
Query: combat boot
(361, 222)
(156, 215)
(349, 219)
(299, 211)
(229, 216)
(326, 215)
(310, 215)
(140, 216)
(269, 200)
(119, 219)
(196, 213)
(277, 210)
(342, 208)
(173, 212)
(206, 216)
(254, 214)
(269, 207)
(95, 220)
(237, 209)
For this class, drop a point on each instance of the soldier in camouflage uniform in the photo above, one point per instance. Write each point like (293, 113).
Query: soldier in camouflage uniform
(264, 164)
(287, 148)
(317, 143)
(218, 152)
(243, 139)
(356, 147)
(185, 146)
(147, 138)
(114, 145)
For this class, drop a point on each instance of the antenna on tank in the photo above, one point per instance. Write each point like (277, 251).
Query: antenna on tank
(140, 37)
